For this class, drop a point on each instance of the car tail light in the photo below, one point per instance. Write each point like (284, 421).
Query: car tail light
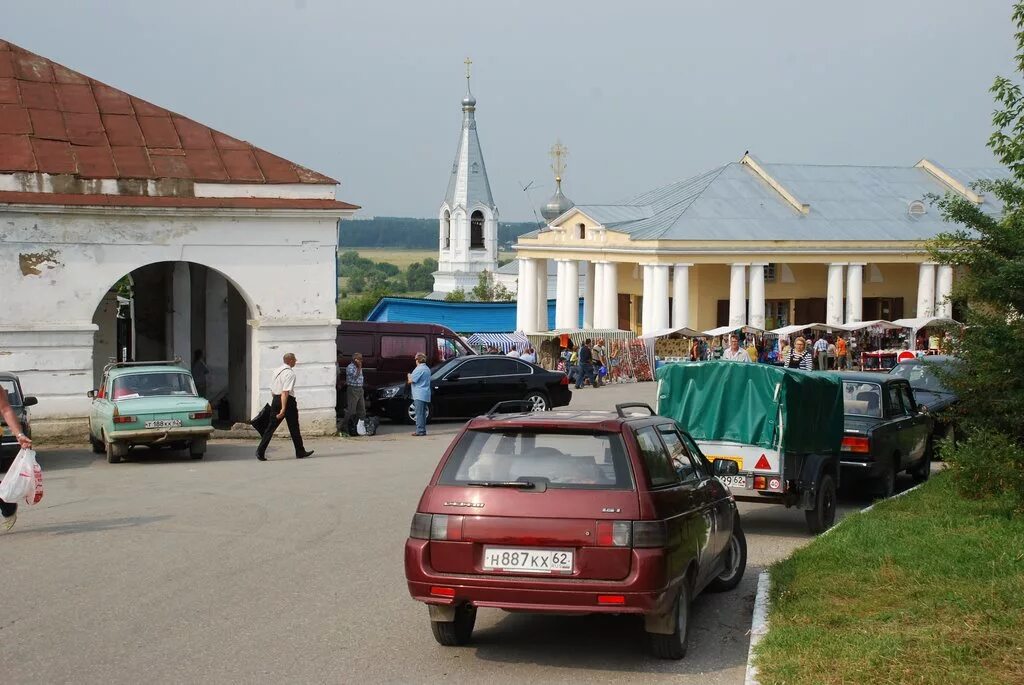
(122, 419)
(564, 380)
(613, 533)
(445, 527)
(611, 599)
(205, 414)
(420, 528)
(856, 444)
(650, 534)
(442, 591)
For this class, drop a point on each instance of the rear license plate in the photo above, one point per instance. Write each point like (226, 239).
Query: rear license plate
(527, 560)
(734, 481)
(163, 423)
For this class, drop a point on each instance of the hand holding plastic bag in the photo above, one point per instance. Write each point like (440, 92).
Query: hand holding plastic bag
(35, 493)
(20, 480)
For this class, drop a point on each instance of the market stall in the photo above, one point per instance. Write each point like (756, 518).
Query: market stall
(750, 336)
(928, 333)
(672, 344)
(632, 357)
(502, 341)
(875, 344)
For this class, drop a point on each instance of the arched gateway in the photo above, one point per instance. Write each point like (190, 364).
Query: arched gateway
(210, 242)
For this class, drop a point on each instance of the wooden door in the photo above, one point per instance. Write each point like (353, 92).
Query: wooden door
(624, 312)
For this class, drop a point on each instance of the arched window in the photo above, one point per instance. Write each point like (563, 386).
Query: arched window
(446, 230)
(582, 231)
(476, 230)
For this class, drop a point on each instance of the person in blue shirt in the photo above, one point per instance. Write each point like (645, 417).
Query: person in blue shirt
(419, 384)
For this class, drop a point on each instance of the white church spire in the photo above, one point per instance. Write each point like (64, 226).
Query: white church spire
(468, 241)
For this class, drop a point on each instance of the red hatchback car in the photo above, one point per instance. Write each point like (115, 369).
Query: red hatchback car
(574, 512)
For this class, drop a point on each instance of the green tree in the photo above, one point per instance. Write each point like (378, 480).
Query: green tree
(357, 307)
(419, 277)
(357, 283)
(457, 295)
(989, 253)
(486, 290)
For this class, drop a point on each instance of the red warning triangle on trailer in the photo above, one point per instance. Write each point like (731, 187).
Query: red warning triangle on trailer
(763, 463)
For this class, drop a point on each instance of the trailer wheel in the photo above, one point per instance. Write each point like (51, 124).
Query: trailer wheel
(823, 515)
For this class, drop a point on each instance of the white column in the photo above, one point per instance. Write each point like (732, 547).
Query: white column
(610, 294)
(646, 322)
(926, 290)
(756, 318)
(560, 293)
(181, 312)
(216, 344)
(681, 295)
(834, 298)
(943, 291)
(659, 290)
(738, 295)
(541, 294)
(589, 282)
(526, 297)
(572, 293)
(599, 308)
(854, 293)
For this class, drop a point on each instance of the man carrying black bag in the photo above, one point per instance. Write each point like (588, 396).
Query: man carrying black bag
(284, 407)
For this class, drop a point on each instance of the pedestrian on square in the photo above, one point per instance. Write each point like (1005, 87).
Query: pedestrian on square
(9, 510)
(356, 400)
(734, 353)
(586, 365)
(285, 408)
(842, 362)
(833, 355)
(821, 353)
(529, 355)
(200, 372)
(599, 359)
(799, 357)
(419, 386)
(513, 352)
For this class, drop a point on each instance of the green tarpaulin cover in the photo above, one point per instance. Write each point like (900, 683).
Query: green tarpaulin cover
(721, 400)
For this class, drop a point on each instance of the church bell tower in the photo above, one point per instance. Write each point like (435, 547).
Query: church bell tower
(468, 218)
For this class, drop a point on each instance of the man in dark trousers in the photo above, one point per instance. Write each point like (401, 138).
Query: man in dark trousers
(284, 406)
(586, 366)
(9, 510)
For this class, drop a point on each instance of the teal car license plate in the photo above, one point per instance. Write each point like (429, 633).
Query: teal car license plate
(163, 423)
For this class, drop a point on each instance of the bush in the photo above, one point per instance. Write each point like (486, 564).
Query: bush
(986, 464)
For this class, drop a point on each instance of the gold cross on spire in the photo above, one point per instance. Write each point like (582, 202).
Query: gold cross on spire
(468, 64)
(558, 154)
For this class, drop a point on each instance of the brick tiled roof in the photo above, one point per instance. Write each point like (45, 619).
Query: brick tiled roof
(57, 121)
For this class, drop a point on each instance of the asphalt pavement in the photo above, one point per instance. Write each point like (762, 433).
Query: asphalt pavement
(165, 569)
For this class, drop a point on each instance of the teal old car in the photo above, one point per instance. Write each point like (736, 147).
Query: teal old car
(148, 403)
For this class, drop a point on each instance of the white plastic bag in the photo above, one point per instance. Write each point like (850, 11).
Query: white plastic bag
(35, 493)
(360, 427)
(19, 481)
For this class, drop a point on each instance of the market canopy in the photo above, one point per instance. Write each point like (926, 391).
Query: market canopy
(926, 321)
(879, 323)
(681, 331)
(796, 328)
(503, 341)
(722, 330)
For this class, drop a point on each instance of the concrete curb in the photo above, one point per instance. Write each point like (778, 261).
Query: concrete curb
(758, 625)
(759, 619)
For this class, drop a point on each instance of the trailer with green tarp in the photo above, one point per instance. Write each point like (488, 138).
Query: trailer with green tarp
(782, 427)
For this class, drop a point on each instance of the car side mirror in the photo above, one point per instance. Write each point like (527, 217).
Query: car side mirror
(29, 401)
(726, 467)
(91, 394)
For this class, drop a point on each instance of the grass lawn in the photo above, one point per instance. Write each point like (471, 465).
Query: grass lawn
(926, 588)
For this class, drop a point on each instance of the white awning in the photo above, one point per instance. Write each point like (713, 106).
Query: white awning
(722, 330)
(880, 323)
(683, 331)
(796, 328)
(926, 321)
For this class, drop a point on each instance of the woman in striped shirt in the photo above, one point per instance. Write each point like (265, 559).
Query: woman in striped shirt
(799, 356)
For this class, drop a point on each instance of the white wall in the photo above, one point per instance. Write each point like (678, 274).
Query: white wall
(56, 265)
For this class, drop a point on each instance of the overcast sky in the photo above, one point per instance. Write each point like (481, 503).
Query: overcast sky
(642, 93)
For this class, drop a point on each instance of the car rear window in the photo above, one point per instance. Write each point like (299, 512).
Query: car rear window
(864, 399)
(570, 460)
(153, 385)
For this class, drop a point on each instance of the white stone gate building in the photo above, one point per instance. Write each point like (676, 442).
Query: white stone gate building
(214, 244)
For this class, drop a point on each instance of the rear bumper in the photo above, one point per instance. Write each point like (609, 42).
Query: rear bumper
(149, 435)
(855, 468)
(561, 396)
(643, 591)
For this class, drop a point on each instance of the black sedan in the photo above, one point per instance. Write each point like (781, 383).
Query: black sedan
(885, 432)
(469, 386)
(19, 403)
(929, 389)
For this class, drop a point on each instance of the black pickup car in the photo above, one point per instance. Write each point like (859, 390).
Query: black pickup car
(885, 432)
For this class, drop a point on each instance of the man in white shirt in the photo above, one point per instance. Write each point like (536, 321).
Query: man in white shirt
(733, 353)
(513, 352)
(821, 353)
(284, 406)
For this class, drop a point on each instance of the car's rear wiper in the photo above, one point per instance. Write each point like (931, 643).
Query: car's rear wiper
(524, 484)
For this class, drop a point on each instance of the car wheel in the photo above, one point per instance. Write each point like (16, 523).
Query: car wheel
(537, 401)
(921, 472)
(410, 413)
(114, 453)
(735, 562)
(823, 515)
(197, 448)
(885, 486)
(674, 646)
(457, 632)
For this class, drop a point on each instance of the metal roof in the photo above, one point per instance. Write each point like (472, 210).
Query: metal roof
(734, 202)
(468, 184)
(461, 317)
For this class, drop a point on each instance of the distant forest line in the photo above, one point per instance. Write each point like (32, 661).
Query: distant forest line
(412, 234)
